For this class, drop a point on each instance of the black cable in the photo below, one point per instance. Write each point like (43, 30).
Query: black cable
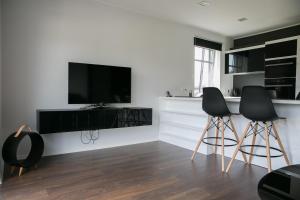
(90, 136)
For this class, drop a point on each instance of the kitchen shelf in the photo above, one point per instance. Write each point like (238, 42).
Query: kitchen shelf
(247, 73)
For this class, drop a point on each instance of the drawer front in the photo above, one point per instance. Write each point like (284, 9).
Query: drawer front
(281, 88)
(283, 82)
(281, 92)
(134, 117)
(83, 120)
(68, 121)
(280, 68)
(49, 122)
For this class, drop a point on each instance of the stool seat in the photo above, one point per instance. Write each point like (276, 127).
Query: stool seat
(213, 103)
(257, 105)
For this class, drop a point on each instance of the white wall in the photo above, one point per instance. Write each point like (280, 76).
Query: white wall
(1, 134)
(41, 36)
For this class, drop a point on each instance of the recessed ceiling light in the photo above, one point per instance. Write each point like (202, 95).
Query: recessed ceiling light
(204, 3)
(242, 19)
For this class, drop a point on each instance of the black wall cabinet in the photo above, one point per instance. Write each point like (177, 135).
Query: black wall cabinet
(245, 61)
(54, 121)
(268, 36)
(281, 49)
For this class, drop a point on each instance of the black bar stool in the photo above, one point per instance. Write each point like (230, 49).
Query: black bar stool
(214, 105)
(257, 106)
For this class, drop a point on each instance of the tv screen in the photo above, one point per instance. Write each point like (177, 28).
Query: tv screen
(93, 84)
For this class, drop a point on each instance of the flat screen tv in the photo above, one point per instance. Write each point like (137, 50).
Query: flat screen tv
(95, 84)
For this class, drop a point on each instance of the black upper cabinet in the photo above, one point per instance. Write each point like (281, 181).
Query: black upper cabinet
(262, 38)
(256, 59)
(245, 61)
(281, 49)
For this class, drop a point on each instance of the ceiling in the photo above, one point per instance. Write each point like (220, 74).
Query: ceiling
(220, 16)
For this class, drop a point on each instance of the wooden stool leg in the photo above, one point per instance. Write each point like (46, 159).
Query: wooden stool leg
(21, 171)
(12, 169)
(268, 148)
(223, 129)
(217, 135)
(280, 144)
(238, 147)
(253, 142)
(201, 138)
(237, 137)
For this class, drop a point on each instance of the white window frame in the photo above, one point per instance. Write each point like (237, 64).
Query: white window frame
(210, 62)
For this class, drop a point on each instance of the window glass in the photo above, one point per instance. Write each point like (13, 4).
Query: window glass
(198, 53)
(206, 69)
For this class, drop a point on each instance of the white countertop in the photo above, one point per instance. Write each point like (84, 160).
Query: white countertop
(232, 99)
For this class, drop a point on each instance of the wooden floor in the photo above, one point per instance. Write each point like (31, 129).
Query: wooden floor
(151, 171)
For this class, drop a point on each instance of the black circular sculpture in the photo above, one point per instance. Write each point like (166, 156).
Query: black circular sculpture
(10, 147)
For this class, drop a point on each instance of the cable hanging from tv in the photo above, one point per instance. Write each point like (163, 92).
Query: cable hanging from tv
(88, 137)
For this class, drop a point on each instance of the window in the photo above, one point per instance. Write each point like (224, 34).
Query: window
(206, 69)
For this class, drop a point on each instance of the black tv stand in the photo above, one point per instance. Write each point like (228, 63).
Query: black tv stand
(55, 121)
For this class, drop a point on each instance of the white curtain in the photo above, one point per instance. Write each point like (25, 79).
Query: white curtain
(206, 69)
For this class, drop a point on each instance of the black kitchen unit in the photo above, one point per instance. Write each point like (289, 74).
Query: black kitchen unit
(262, 38)
(281, 49)
(270, 59)
(280, 69)
(245, 61)
(276, 66)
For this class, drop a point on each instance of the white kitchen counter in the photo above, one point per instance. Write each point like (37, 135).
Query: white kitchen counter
(182, 121)
(232, 99)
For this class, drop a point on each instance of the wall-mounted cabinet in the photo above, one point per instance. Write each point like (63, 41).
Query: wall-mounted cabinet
(281, 49)
(247, 60)
(55, 121)
(278, 60)
(281, 68)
